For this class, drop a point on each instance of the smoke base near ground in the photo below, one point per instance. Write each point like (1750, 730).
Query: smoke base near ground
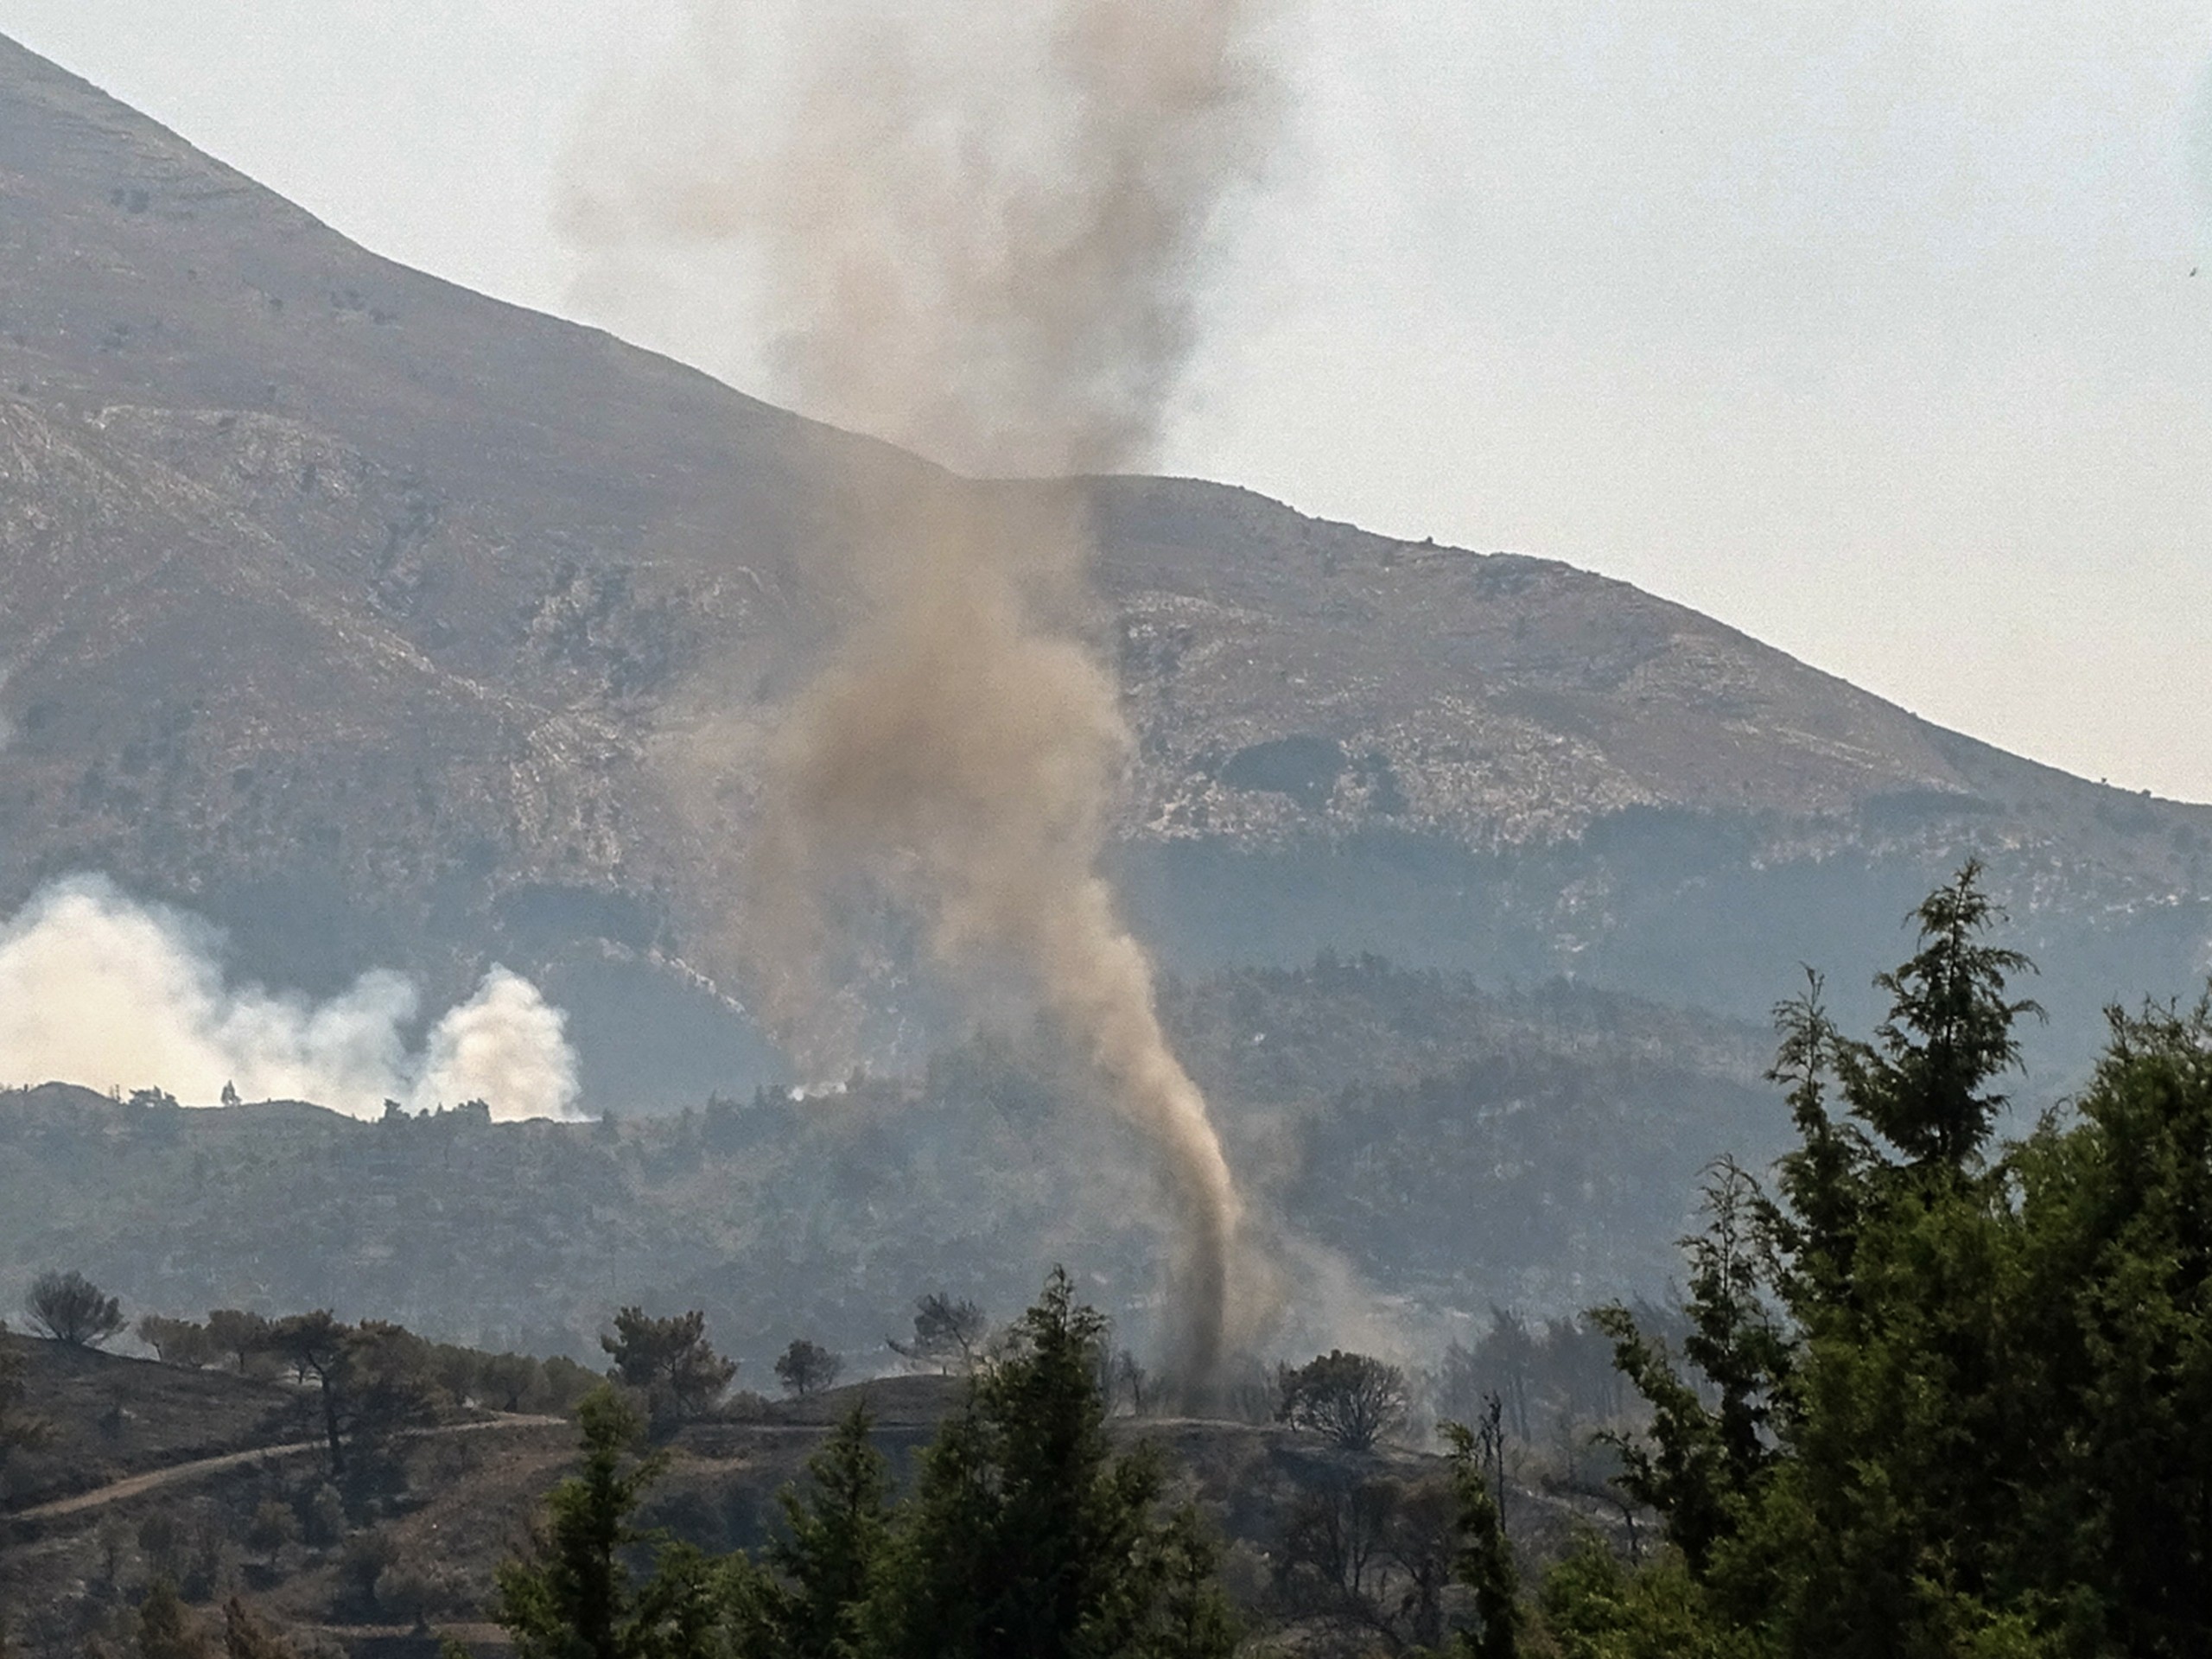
(100, 989)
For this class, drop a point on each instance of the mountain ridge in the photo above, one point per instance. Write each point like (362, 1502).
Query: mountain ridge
(383, 623)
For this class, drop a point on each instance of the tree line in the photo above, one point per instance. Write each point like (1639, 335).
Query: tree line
(1939, 1394)
(1023, 1533)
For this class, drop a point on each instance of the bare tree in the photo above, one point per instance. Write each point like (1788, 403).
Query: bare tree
(1331, 1557)
(807, 1366)
(1422, 1537)
(1547, 1374)
(948, 1334)
(1354, 1399)
(72, 1309)
(314, 1345)
(1489, 1439)
(1128, 1380)
(1372, 1558)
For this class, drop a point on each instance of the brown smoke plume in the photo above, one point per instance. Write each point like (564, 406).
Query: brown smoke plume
(972, 226)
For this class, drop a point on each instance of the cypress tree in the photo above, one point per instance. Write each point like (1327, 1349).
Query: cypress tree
(576, 1598)
(808, 1596)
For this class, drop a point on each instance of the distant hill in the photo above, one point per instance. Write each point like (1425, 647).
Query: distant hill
(386, 624)
(1414, 1149)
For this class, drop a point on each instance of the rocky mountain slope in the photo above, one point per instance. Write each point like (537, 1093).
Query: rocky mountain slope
(385, 623)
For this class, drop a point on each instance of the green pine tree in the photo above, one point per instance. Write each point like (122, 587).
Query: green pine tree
(1840, 1467)
(576, 1598)
(1190, 1618)
(1026, 1538)
(2111, 1356)
(1923, 1085)
(809, 1596)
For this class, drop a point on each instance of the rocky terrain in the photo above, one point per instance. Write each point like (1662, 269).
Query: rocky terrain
(385, 623)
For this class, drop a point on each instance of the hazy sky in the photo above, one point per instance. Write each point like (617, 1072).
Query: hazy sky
(1868, 328)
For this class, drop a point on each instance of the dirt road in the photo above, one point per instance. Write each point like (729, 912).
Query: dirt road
(132, 1485)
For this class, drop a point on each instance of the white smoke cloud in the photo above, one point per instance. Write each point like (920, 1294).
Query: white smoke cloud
(505, 1044)
(96, 988)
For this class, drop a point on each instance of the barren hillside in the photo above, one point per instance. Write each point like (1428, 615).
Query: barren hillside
(385, 623)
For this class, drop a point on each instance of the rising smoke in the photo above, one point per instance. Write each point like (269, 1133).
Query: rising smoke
(971, 227)
(97, 989)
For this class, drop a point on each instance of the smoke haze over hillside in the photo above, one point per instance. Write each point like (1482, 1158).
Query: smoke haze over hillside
(97, 989)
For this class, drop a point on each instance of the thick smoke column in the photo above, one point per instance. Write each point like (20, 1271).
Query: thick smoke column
(97, 989)
(963, 759)
(972, 225)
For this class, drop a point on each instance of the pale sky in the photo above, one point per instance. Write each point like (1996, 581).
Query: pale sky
(1867, 328)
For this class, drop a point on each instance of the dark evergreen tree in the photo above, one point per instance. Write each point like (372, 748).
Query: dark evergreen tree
(1703, 1459)
(315, 1346)
(245, 1636)
(1190, 1617)
(177, 1342)
(808, 1598)
(1974, 1421)
(2111, 1350)
(21, 1428)
(167, 1629)
(1354, 1399)
(242, 1336)
(576, 1597)
(949, 1334)
(1026, 1537)
(1923, 1085)
(806, 1367)
(1822, 1181)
